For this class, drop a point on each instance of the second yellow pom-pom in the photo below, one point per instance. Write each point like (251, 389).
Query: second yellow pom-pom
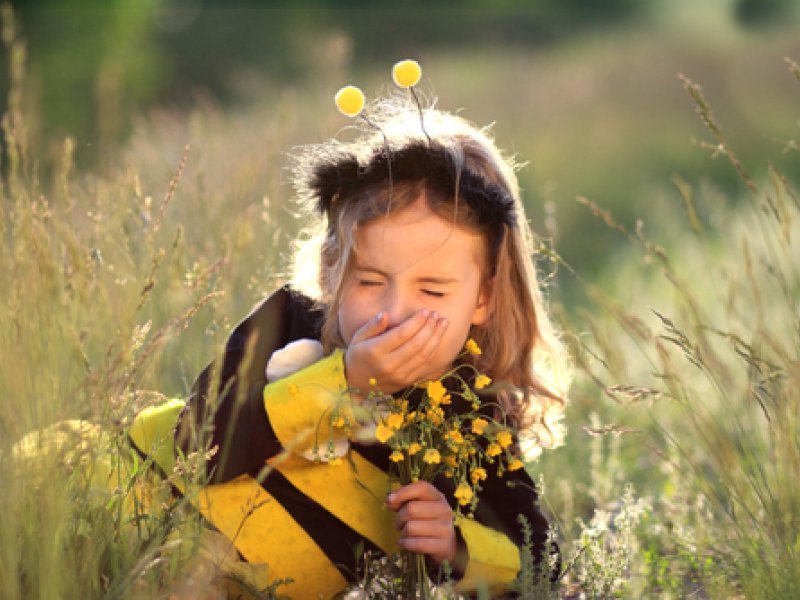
(407, 73)
(350, 100)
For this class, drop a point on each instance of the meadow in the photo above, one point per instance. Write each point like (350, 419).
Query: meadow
(679, 474)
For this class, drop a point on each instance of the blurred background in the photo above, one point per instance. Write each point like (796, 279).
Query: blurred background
(585, 93)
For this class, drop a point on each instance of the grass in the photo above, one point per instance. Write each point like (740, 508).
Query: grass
(678, 479)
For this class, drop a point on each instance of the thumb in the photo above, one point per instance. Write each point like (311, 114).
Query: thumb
(375, 326)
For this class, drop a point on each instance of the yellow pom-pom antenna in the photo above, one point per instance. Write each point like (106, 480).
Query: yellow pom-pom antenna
(407, 73)
(350, 100)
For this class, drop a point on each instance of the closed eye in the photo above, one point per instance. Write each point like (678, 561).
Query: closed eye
(369, 282)
(433, 293)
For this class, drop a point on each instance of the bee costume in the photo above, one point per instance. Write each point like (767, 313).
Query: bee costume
(310, 520)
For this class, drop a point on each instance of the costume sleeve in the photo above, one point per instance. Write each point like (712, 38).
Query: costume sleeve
(492, 559)
(300, 405)
(494, 538)
(226, 401)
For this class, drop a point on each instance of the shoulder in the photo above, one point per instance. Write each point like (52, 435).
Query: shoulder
(286, 310)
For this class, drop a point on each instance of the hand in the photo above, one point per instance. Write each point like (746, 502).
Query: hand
(425, 521)
(396, 357)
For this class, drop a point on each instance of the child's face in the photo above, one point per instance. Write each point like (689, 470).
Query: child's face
(415, 260)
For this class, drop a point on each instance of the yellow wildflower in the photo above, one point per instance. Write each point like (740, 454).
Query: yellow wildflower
(449, 473)
(373, 382)
(463, 494)
(477, 474)
(435, 415)
(432, 457)
(350, 100)
(383, 433)
(455, 436)
(481, 381)
(396, 456)
(395, 421)
(504, 438)
(494, 449)
(473, 348)
(410, 416)
(436, 391)
(414, 448)
(338, 421)
(515, 465)
(450, 460)
(479, 425)
(406, 73)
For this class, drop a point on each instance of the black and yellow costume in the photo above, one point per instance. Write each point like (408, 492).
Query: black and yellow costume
(306, 519)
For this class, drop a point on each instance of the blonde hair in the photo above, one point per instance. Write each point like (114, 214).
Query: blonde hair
(391, 164)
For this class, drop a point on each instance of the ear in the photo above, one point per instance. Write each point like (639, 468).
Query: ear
(483, 308)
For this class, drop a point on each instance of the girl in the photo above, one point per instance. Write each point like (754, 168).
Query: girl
(421, 244)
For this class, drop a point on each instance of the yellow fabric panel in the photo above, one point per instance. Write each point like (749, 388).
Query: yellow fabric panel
(245, 513)
(353, 491)
(299, 404)
(493, 558)
(153, 430)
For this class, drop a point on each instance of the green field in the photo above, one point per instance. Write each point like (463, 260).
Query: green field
(675, 280)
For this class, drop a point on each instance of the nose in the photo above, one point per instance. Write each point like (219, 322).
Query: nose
(399, 305)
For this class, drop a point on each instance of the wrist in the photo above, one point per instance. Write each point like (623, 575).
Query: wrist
(354, 384)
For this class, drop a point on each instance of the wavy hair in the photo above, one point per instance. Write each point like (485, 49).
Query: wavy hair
(464, 178)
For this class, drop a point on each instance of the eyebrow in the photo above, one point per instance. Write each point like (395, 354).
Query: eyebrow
(426, 279)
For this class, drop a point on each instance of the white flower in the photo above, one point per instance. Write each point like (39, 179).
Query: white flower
(337, 449)
(547, 430)
(293, 357)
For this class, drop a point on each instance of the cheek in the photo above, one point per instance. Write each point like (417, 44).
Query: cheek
(352, 315)
(457, 331)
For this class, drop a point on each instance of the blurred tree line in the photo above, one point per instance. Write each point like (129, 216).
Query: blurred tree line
(91, 64)
(94, 64)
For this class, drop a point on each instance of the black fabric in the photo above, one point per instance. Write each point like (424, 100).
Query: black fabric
(238, 409)
(245, 438)
(343, 546)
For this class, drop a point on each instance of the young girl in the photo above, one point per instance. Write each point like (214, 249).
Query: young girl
(421, 244)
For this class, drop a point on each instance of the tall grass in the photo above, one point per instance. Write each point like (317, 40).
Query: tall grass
(702, 375)
(84, 311)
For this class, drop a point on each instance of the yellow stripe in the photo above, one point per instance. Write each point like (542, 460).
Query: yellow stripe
(493, 557)
(264, 532)
(245, 513)
(354, 492)
(299, 405)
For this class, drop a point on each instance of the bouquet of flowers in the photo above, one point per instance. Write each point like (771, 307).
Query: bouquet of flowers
(433, 429)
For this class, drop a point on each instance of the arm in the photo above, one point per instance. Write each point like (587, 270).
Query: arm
(484, 551)
(493, 540)
(226, 402)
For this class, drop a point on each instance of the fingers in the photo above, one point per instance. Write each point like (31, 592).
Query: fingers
(419, 490)
(424, 520)
(437, 548)
(416, 354)
(419, 502)
(402, 333)
(371, 328)
(395, 357)
(409, 356)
